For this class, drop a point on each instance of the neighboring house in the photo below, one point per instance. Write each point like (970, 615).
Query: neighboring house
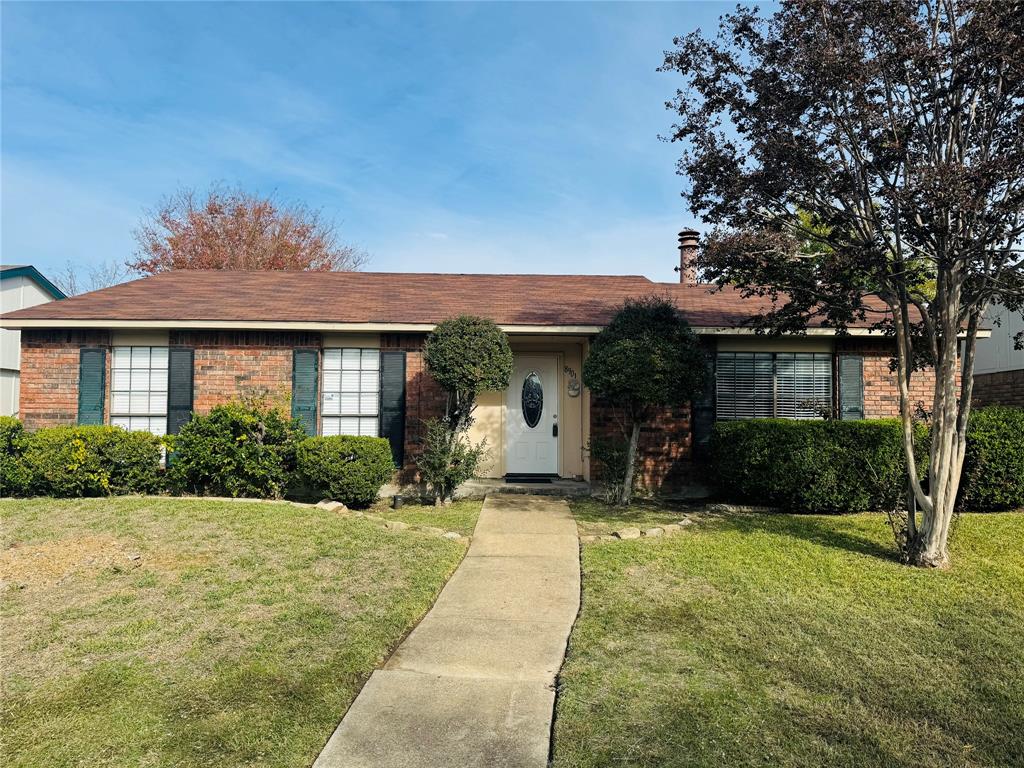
(20, 286)
(346, 349)
(998, 367)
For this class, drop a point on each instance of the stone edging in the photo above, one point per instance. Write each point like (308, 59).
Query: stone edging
(625, 534)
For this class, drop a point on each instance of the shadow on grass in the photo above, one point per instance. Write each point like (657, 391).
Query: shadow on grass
(814, 529)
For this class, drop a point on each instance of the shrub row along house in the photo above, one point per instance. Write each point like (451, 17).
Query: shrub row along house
(345, 350)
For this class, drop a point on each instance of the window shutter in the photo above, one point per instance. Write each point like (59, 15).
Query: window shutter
(851, 387)
(180, 393)
(92, 385)
(392, 402)
(305, 377)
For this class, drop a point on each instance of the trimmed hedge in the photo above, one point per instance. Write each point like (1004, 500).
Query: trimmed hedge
(15, 477)
(811, 466)
(67, 462)
(345, 468)
(237, 449)
(993, 473)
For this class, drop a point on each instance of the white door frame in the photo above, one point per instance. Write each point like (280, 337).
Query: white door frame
(516, 428)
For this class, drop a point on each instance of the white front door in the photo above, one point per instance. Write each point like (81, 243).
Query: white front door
(531, 424)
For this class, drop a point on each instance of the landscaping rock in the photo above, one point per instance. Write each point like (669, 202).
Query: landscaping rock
(452, 535)
(671, 529)
(653, 533)
(332, 506)
(739, 508)
(628, 533)
(395, 525)
(685, 522)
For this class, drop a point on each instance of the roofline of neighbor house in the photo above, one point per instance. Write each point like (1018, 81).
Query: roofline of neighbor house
(266, 325)
(27, 270)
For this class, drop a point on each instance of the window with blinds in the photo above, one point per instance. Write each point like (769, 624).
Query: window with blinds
(351, 392)
(138, 389)
(755, 385)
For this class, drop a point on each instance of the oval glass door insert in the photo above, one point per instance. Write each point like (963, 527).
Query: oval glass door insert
(533, 399)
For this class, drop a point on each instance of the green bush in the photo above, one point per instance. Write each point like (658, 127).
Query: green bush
(345, 468)
(993, 473)
(448, 459)
(811, 466)
(15, 477)
(609, 458)
(68, 462)
(238, 449)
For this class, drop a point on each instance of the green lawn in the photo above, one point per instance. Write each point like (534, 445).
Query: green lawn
(775, 640)
(238, 634)
(459, 516)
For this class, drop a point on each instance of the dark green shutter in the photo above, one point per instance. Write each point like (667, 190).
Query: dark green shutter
(392, 402)
(180, 392)
(92, 385)
(851, 387)
(305, 378)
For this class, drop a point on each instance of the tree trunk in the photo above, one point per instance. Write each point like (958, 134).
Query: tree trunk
(626, 493)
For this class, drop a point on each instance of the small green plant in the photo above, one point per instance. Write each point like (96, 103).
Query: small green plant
(609, 459)
(238, 449)
(15, 476)
(348, 469)
(448, 459)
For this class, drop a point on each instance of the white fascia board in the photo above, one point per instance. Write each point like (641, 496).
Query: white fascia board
(260, 325)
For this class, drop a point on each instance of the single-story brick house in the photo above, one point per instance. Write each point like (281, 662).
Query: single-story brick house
(345, 349)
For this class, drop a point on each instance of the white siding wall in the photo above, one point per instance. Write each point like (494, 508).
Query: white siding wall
(15, 293)
(997, 353)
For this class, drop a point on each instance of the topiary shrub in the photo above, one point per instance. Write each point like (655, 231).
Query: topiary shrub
(993, 472)
(345, 468)
(15, 476)
(811, 466)
(68, 462)
(238, 449)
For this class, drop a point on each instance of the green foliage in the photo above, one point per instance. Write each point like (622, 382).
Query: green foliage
(647, 356)
(15, 477)
(92, 461)
(610, 457)
(993, 472)
(238, 449)
(469, 354)
(812, 466)
(448, 459)
(345, 468)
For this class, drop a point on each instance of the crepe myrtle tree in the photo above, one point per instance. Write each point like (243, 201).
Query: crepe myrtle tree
(466, 356)
(856, 150)
(647, 358)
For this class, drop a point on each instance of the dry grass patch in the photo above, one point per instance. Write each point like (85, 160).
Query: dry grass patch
(161, 632)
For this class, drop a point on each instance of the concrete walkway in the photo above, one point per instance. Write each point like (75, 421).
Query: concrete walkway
(473, 685)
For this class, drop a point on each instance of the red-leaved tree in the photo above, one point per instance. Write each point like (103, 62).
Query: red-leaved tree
(235, 229)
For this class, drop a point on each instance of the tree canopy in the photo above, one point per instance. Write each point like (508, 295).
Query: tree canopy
(236, 229)
(646, 358)
(850, 149)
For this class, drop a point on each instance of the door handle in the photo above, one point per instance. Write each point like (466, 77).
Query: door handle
(554, 430)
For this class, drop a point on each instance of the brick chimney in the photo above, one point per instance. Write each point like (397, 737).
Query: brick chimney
(687, 268)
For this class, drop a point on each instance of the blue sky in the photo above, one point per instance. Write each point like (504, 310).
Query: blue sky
(471, 137)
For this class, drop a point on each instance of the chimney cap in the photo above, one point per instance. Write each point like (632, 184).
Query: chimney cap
(688, 234)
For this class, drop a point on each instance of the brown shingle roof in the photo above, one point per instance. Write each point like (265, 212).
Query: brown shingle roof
(378, 297)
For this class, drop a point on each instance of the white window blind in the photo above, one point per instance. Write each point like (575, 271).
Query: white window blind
(138, 389)
(754, 385)
(351, 392)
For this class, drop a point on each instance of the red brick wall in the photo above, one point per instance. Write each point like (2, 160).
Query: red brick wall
(1001, 388)
(240, 364)
(49, 374)
(665, 445)
(881, 393)
(424, 398)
